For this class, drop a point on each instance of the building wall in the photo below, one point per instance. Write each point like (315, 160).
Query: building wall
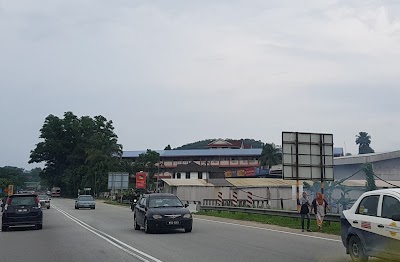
(386, 169)
(193, 175)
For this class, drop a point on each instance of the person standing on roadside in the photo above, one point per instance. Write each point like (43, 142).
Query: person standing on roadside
(319, 207)
(305, 211)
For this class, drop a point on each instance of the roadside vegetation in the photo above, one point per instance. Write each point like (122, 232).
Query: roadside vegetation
(295, 223)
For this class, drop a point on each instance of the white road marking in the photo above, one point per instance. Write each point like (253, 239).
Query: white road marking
(271, 230)
(121, 245)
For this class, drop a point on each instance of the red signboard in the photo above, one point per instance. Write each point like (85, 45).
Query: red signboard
(141, 180)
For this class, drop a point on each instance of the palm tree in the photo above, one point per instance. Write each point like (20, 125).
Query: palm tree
(271, 155)
(363, 140)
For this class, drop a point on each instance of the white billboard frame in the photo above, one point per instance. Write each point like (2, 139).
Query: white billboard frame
(307, 156)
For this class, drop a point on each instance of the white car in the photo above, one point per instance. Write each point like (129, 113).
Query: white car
(44, 201)
(372, 226)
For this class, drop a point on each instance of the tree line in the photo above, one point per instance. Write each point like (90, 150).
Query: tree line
(79, 152)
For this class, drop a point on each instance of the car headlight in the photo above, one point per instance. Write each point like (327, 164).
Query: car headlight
(187, 216)
(157, 216)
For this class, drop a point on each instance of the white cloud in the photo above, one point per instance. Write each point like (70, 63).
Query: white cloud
(201, 69)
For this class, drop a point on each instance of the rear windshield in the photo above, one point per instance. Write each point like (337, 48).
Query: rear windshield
(85, 198)
(43, 197)
(23, 201)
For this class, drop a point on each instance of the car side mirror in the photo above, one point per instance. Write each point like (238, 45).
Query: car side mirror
(186, 205)
(396, 217)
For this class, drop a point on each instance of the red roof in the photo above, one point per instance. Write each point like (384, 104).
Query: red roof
(229, 143)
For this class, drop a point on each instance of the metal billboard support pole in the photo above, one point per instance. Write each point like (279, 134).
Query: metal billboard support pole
(297, 173)
(321, 150)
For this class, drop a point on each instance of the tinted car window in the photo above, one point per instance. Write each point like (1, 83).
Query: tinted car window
(390, 206)
(368, 206)
(165, 202)
(85, 198)
(23, 201)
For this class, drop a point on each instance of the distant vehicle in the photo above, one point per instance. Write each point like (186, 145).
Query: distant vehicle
(44, 201)
(161, 211)
(85, 201)
(22, 210)
(371, 228)
(56, 192)
(48, 193)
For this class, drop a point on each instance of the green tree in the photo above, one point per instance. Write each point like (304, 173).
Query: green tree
(363, 140)
(369, 176)
(10, 175)
(77, 152)
(271, 155)
(168, 147)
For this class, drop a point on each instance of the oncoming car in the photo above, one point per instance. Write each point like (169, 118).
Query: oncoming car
(44, 201)
(85, 201)
(161, 211)
(372, 226)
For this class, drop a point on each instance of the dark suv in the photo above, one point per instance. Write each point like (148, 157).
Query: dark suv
(22, 210)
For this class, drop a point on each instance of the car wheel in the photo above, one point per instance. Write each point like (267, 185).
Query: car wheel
(188, 229)
(39, 227)
(76, 207)
(48, 207)
(356, 250)
(135, 224)
(4, 228)
(93, 207)
(147, 229)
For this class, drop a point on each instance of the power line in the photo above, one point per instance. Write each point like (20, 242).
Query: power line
(386, 181)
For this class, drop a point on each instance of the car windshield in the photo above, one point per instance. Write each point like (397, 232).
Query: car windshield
(85, 198)
(43, 197)
(165, 202)
(23, 201)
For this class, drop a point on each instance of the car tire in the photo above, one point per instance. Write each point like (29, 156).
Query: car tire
(76, 207)
(135, 224)
(188, 229)
(93, 207)
(147, 229)
(4, 228)
(356, 250)
(48, 207)
(39, 227)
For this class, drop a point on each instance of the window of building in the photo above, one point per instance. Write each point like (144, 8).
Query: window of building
(368, 206)
(178, 175)
(200, 175)
(173, 175)
(187, 175)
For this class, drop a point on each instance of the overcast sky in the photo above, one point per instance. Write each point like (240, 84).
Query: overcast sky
(174, 72)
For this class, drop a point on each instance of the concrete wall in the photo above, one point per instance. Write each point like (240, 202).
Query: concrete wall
(199, 193)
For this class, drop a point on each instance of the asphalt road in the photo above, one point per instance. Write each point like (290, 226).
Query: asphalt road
(107, 234)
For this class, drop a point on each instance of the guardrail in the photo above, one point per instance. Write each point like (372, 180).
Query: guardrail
(263, 211)
(240, 203)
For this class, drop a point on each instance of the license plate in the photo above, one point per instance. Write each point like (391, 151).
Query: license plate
(173, 222)
(22, 210)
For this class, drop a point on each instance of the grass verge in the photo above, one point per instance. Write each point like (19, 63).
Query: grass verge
(115, 203)
(295, 223)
